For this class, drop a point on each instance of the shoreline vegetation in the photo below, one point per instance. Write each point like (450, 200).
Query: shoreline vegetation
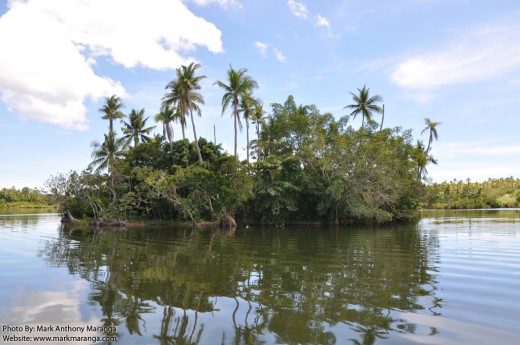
(26, 198)
(302, 166)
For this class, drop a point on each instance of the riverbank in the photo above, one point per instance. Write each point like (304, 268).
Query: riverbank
(26, 205)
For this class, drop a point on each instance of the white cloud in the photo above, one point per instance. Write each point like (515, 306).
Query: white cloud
(477, 55)
(221, 3)
(322, 22)
(50, 46)
(279, 55)
(298, 8)
(262, 47)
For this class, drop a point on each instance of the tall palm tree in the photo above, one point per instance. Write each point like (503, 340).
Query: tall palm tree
(184, 95)
(166, 116)
(432, 127)
(106, 156)
(172, 99)
(239, 85)
(135, 129)
(365, 105)
(112, 111)
(259, 120)
(248, 106)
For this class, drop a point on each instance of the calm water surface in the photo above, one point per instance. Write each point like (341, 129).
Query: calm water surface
(453, 278)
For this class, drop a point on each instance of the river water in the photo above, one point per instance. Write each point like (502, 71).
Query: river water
(451, 278)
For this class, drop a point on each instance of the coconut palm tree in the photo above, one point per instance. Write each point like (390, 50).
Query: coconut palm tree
(365, 105)
(106, 156)
(422, 158)
(112, 111)
(432, 127)
(171, 99)
(248, 106)
(239, 85)
(135, 129)
(184, 95)
(166, 116)
(259, 120)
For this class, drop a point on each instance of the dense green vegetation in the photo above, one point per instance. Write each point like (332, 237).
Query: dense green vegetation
(24, 198)
(303, 166)
(504, 192)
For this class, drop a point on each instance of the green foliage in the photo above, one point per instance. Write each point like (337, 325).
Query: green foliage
(310, 168)
(26, 197)
(494, 193)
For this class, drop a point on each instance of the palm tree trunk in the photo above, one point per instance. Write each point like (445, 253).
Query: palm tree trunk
(113, 182)
(170, 135)
(382, 119)
(195, 135)
(247, 136)
(429, 143)
(236, 134)
(257, 141)
(183, 124)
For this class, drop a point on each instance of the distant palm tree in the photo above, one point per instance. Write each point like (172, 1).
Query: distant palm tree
(166, 116)
(422, 158)
(239, 85)
(106, 156)
(365, 105)
(432, 127)
(112, 111)
(185, 97)
(135, 129)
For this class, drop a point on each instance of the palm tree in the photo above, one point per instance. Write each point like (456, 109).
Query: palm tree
(248, 107)
(239, 86)
(259, 120)
(365, 105)
(422, 158)
(432, 127)
(171, 99)
(112, 110)
(136, 128)
(166, 116)
(185, 97)
(106, 156)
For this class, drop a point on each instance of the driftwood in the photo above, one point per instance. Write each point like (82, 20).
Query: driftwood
(229, 219)
(67, 217)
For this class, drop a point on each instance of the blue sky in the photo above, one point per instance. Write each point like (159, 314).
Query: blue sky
(454, 61)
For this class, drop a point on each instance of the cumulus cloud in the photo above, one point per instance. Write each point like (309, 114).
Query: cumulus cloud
(222, 3)
(49, 48)
(298, 8)
(279, 55)
(477, 55)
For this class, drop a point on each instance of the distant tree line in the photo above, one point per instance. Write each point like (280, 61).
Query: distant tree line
(301, 166)
(25, 197)
(457, 194)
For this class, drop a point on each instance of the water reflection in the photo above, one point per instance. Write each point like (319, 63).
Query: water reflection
(292, 286)
(254, 286)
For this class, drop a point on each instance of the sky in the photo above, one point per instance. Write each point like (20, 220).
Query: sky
(454, 61)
